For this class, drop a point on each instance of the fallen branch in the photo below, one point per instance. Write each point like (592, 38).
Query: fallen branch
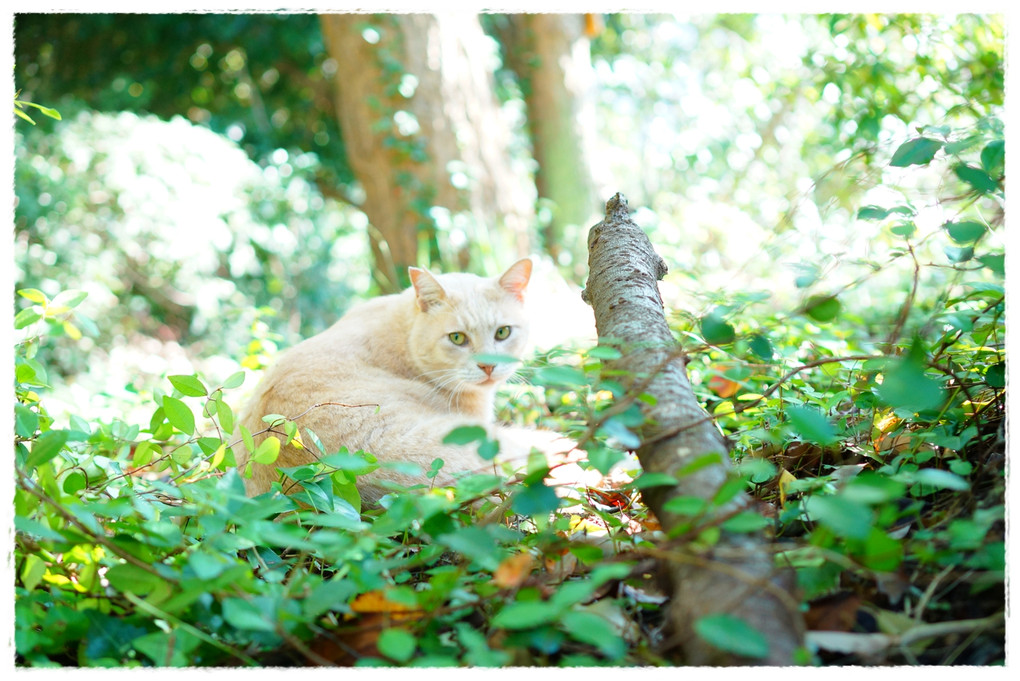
(622, 289)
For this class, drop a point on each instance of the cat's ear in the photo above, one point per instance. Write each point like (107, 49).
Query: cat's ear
(515, 279)
(427, 290)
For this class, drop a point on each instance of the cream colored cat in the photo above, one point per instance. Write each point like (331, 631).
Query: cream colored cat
(413, 355)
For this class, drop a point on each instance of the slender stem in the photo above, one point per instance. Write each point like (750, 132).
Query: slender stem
(142, 604)
(33, 489)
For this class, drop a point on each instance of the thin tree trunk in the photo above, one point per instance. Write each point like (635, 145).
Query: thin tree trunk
(737, 575)
(422, 129)
(551, 56)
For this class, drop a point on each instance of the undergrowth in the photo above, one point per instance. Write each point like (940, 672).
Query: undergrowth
(873, 443)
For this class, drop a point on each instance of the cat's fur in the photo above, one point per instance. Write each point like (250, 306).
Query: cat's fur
(395, 364)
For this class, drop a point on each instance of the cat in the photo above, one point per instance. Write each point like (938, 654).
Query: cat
(397, 373)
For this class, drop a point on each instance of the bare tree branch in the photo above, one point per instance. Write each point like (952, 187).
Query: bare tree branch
(622, 289)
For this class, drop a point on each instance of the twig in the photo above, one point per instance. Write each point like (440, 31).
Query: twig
(142, 604)
(30, 487)
(901, 320)
(747, 405)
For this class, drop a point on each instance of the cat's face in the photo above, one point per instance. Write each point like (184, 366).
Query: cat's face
(460, 317)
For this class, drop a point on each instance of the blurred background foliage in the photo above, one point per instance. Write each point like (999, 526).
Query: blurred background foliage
(198, 186)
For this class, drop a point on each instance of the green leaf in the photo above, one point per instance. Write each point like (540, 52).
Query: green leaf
(74, 482)
(145, 452)
(940, 479)
(703, 461)
(188, 385)
(69, 299)
(733, 635)
(526, 614)
(535, 499)
(745, 521)
(960, 467)
(728, 490)
(615, 428)
(488, 449)
(881, 552)
(234, 380)
(275, 420)
(715, 330)
(267, 451)
(919, 151)
(872, 488)
(473, 543)
(126, 577)
(904, 229)
(47, 446)
(566, 377)
(760, 345)
(243, 614)
(31, 372)
(589, 628)
(168, 650)
(976, 178)
(247, 439)
(26, 421)
(872, 213)
(179, 415)
(44, 110)
(995, 375)
(604, 458)
(604, 352)
(844, 517)
(465, 435)
(397, 644)
(226, 416)
(959, 146)
(993, 157)
(207, 565)
(996, 262)
(823, 308)
(906, 386)
(34, 295)
(494, 359)
(37, 529)
(33, 571)
(956, 254)
(964, 232)
(652, 479)
(479, 654)
(27, 317)
(586, 553)
(685, 505)
(811, 425)
(355, 464)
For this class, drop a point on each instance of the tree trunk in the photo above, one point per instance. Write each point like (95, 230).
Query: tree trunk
(422, 127)
(551, 56)
(736, 575)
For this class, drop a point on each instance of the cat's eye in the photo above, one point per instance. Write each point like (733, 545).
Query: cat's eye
(502, 333)
(458, 338)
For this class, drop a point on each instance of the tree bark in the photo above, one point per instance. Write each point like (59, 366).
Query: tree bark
(737, 575)
(551, 56)
(422, 127)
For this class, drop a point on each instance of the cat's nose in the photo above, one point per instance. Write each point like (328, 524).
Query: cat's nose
(487, 368)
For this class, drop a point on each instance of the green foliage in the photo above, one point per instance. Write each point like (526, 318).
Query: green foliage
(263, 76)
(137, 546)
(732, 635)
(862, 385)
(20, 105)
